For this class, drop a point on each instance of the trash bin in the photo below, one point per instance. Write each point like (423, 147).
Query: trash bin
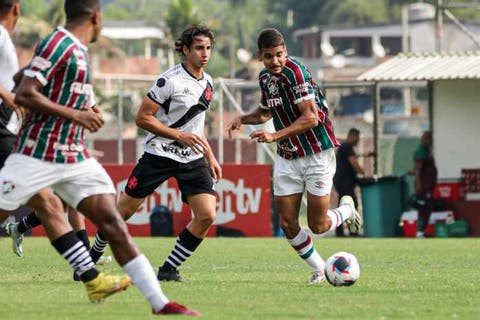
(161, 222)
(383, 201)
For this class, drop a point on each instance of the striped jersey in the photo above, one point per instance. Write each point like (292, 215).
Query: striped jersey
(281, 94)
(61, 65)
(184, 101)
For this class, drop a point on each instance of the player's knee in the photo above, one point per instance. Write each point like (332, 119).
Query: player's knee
(207, 219)
(319, 227)
(289, 226)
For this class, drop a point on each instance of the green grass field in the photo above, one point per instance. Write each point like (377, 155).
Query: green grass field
(261, 279)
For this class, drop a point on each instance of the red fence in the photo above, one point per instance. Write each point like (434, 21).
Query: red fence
(243, 206)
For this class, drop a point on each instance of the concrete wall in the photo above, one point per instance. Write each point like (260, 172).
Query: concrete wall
(456, 126)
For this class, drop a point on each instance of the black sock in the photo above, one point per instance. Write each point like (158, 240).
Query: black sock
(184, 248)
(74, 251)
(28, 222)
(83, 236)
(99, 246)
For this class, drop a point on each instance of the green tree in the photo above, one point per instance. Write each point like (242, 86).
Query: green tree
(55, 14)
(32, 8)
(180, 13)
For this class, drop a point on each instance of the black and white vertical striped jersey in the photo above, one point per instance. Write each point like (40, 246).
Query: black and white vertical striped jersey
(184, 101)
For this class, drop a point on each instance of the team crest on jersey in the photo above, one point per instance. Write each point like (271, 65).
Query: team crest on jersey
(7, 187)
(208, 93)
(273, 88)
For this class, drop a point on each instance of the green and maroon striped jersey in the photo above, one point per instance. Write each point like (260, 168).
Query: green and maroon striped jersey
(61, 65)
(281, 94)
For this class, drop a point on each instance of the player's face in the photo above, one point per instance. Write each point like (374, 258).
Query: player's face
(199, 52)
(273, 59)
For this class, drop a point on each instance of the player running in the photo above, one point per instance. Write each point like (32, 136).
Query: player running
(50, 154)
(173, 112)
(305, 141)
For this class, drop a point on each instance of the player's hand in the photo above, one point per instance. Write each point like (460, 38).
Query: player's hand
(215, 168)
(236, 124)
(89, 120)
(262, 136)
(195, 142)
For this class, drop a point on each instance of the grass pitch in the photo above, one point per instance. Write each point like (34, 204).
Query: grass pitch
(261, 279)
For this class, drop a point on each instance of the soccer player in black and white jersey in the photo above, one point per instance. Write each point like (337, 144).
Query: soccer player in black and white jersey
(173, 112)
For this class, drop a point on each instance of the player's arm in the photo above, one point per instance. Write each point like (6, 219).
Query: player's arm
(29, 95)
(307, 120)
(257, 116)
(355, 165)
(147, 120)
(7, 96)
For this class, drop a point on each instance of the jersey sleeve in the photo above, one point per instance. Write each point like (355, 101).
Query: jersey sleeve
(161, 90)
(49, 57)
(301, 84)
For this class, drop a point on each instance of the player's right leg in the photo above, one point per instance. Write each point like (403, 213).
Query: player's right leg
(127, 206)
(26, 181)
(102, 211)
(99, 286)
(288, 190)
(97, 202)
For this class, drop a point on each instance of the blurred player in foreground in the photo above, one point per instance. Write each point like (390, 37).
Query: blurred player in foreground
(50, 154)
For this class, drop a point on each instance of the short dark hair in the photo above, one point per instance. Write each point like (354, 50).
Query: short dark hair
(269, 38)
(189, 34)
(78, 10)
(354, 131)
(6, 6)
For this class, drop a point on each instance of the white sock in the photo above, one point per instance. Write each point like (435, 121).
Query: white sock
(339, 215)
(303, 244)
(141, 272)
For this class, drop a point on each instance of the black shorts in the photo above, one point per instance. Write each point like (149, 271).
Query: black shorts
(151, 171)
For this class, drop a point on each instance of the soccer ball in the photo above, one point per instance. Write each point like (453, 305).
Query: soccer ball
(342, 269)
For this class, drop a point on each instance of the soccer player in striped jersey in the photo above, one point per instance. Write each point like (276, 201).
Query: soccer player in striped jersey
(50, 155)
(305, 141)
(173, 112)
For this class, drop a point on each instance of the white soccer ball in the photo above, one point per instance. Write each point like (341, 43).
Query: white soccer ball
(342, 269)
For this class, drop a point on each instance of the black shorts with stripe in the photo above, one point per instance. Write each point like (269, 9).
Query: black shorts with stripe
(152, 170)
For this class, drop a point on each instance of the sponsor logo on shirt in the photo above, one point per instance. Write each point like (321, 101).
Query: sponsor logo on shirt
(41, 63)
(301, 88)
(81, 88)
(274, 102)
(178, 150)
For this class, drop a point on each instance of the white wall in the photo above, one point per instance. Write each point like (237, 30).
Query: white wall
(456, 126)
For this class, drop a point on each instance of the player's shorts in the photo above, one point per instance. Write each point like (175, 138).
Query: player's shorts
(22, 177)
(313, 173)
(152, 170)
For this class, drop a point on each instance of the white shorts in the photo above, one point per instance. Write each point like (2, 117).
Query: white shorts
(313, 173)
(22, 177)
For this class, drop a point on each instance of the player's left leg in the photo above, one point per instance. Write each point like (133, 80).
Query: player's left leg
(204, 213)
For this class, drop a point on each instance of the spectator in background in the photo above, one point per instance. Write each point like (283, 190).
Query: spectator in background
(348, 170)
(425, 172)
